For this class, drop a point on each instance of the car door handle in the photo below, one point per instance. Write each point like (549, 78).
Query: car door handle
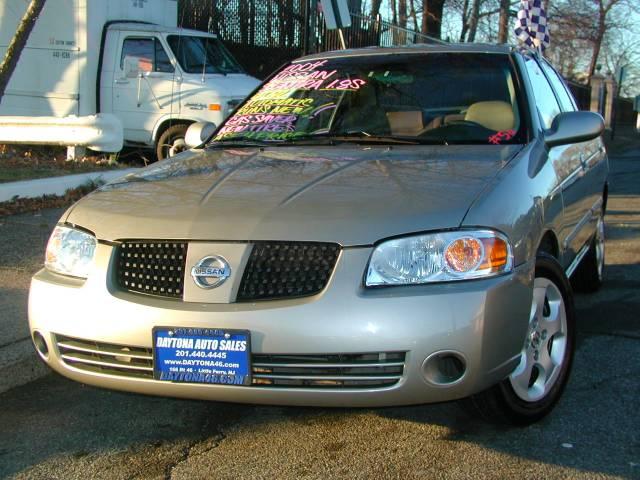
(122, 81)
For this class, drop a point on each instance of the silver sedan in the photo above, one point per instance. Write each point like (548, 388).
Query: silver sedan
(372, 227)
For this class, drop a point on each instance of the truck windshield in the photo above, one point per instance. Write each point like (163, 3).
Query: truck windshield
(442, 98)
(202, 54)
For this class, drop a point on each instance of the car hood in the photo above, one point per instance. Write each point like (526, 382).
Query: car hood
(235, 85)
(351, 195)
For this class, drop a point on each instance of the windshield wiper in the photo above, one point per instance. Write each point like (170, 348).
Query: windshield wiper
(240, 142)
(354, 137)
(326, 138)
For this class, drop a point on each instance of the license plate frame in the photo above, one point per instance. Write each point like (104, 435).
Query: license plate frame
(202, 355)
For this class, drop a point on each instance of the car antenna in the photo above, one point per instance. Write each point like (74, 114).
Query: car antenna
(204, 50)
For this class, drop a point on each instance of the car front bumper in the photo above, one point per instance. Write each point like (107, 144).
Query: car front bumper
(483, 322)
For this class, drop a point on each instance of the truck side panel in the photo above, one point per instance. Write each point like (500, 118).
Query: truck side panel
(161, 12)
(46, 80)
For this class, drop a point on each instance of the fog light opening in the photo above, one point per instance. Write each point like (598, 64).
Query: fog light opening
(41, 345)
(444, 368)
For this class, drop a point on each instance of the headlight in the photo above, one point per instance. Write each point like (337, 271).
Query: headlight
(70, 252)
(439, 257)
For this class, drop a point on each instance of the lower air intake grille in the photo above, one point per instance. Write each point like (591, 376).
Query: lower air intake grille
(352, 370)
(357, 370)
(287, 269)
(105, 357)
(154, 268)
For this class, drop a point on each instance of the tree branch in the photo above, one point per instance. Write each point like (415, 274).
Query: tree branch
(14, 50)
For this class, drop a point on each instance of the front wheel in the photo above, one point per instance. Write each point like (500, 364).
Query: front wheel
(172, 142)
(535, 386)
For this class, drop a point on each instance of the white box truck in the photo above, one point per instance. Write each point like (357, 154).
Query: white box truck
(124, 57)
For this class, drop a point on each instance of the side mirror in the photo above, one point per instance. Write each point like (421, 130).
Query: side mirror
(574, 127)
(198, 133)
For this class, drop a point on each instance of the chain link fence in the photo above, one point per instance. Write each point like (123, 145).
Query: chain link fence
(264, 34)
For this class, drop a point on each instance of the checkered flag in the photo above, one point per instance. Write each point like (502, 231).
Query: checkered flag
(531, 24)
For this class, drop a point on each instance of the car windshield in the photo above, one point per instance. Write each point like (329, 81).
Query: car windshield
(441, 98)
(202, 55)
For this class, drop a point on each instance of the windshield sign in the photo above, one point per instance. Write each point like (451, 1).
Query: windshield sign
(425, 98)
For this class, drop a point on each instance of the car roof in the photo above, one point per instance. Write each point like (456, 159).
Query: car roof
(154, 28)
(417, 48)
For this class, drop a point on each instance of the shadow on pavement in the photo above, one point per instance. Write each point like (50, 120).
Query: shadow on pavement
(56, 417)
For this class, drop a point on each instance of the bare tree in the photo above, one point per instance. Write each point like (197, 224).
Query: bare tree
(623, 50)
(432, 11)
(604, 8)
(402, 13)
(464, 14)
(375, 7)
(571, 29)
(477, 18)
(14, 50)
(474, 18)
(414, 15)
(580, 28)
(503, 21)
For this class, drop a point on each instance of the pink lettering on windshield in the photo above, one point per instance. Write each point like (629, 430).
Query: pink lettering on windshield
(502, 136)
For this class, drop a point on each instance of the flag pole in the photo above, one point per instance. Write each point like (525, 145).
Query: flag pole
(538, 44)
(341, 36)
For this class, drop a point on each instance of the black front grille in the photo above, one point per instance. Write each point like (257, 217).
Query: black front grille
(152, 267)
(287, 269)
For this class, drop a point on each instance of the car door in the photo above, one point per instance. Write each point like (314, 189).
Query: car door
(566, 164)
(145, 85)
(594, 169)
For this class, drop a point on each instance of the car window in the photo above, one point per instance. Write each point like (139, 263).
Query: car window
(149, 52)
(545, 100)
(431, 97)
(162, 64)
(567, 102)
(203, 55)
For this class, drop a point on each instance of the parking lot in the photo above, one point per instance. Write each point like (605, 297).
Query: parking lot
(54, 428)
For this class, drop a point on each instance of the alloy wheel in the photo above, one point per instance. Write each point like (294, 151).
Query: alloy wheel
(545, 344)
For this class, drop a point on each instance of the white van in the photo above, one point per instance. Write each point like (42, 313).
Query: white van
(124, 57)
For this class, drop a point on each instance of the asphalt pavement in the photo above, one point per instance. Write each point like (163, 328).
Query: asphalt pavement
(23, 239)
(53, 428)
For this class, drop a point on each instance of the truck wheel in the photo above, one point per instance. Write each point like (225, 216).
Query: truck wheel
(171, 142)
(588, 276)
(535, 386)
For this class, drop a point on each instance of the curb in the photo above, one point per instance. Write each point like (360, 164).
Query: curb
(57, 185)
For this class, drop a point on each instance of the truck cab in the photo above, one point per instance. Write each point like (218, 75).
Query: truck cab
(158, 80)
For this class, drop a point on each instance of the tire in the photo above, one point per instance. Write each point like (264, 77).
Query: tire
(171, 142)
(536, 385)
(588, 276)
